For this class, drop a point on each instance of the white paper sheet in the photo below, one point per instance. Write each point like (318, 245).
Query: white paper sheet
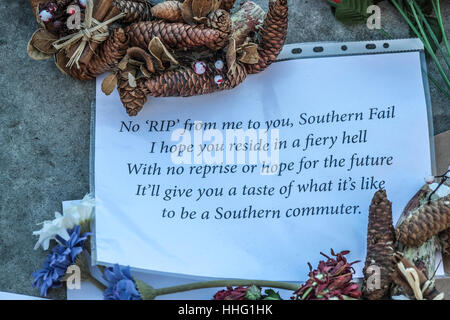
(15, 296)
(130, 229)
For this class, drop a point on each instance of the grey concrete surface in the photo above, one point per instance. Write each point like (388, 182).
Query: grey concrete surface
(44, 126)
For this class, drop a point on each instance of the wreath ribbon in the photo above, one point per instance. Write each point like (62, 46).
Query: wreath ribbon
(91, 31)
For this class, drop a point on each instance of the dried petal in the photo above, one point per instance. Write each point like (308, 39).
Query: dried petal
(160, 52)
(42, 40)
(109, 84)
(201, 8)
(131, 80)
(249, 53)
(186, 11)
(231, 56)
(35, 54)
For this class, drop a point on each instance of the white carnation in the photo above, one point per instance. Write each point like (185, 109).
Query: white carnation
(73, 216)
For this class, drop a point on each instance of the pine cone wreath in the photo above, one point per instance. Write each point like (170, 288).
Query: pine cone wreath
(135, 10)
(380, 247)
(106, 58)
(273, 35)
(429, 220)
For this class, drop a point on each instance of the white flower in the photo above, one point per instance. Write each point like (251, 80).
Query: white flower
(79, 213)
(73, 216)
(50, 229)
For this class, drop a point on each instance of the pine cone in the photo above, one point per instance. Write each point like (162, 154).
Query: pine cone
(133, 99)
(181, 82)
(220, 20)
(135, 11)
(168, 10)
(430, 219)
(273, 35)
(227, 4)
(106, 58)
(185, 82)
(174, 35)
(444, 238)
(380, 246)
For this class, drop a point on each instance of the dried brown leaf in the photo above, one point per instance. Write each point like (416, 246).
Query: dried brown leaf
(42, 40)
(159, 51)
(109, 84)
(216, 5)
(249, 53)
(231, 56)
(123, 63)
(35, 54)
(201, 8)
(143, 57)
(145, 72)
(186, 11)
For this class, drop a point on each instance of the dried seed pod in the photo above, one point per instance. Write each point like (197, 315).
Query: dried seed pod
(380, 248)
(220, 20)
(168, 10)
(135, 10)
(174, 35)
(106, 58)
(413, 281)
(273, 35)
(429, 220)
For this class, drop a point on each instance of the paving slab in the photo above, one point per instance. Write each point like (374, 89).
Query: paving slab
(45, 119)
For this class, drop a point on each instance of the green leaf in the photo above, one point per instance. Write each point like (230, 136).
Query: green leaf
(270, 294)
(147, 292)
(353, 11)
(253, 293)
(434, 24)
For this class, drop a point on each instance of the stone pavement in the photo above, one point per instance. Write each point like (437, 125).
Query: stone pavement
(44, 126)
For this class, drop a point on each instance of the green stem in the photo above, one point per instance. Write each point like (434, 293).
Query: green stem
(424, 41)
(437, 9)
(430, 50)
(385, 33)
(431, 32)
(226, 283)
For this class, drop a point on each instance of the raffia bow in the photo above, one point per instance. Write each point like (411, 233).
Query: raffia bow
(91, 31)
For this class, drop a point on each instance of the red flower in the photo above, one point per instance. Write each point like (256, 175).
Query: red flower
(331, 279)
(237, 293)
